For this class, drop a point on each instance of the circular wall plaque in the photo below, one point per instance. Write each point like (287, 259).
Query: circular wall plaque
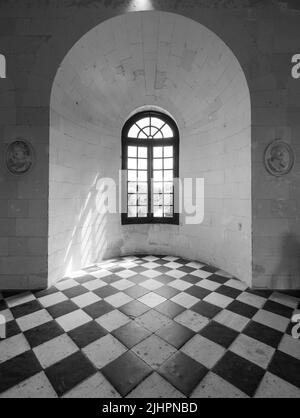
(279, 158)
(19, 156)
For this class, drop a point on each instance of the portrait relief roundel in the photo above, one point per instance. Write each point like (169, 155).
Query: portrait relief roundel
(279, 158)
(19, 157)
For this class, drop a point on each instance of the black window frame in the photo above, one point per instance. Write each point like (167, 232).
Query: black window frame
(150, 143)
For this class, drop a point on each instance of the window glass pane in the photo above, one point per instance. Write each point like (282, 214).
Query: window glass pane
(143, 122)
(168, 199)
(132, 187)
(132, 175)
(158, 123)
(168, 187)
(142, 152)
(158, 135)
(167, 132)
(142, 199)
(132, 151)
(142, 164)
(132, 211)
(168, 152)
(168, 211)
(157, 164)
(157, 152)
(133, 131)
(142, 187)
(168, 163)
(157, 175)
(157, 187)
(142, 135)
(147, 131)
(132, 163)
(142, 211)
(142, 175)
(168, 175)
(158, 199)
(132, 199)
(157, 211)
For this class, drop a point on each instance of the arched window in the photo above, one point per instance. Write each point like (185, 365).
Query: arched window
(2, 66)
(150, 146)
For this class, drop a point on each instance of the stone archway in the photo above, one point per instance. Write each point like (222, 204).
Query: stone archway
(145, 59)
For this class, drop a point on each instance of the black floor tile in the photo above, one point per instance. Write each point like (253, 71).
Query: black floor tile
(75, 291)
(12, 329)
(210, 269)
(134, 308)
(263, 333)
(139, 269)
(126, 372)
(163, 269)
(167, 291)
(43, 333)
(186, 269)
(242, 309)
(183, 372)
(68, 373)
(164, 279)
(218, 279)
(264, 293)
(240, 372)
(106, 291)
(169, 309)
(87, 334)
(219, 334)
(189, 278)
(98, 309)
(175, 334)
(62, 308)
(45, 292)
(85, 278)
(206, 309)
(26, 309)
(2, 305)
(110, 279)
(17, 369)
(228, 291)
(286, 367)
(278, 308)
(131, 334)
(198, 292)
(136, 291)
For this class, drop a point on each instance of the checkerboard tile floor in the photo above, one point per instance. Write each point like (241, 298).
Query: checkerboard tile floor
(149, 326)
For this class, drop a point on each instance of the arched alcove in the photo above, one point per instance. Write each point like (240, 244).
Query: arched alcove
(138, 61)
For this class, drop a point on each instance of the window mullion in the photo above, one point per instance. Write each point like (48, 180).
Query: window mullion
(150, 176)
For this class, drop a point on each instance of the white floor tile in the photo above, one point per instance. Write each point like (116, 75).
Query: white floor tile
(125, 274)
(185, 300)
(213, 386)
(66, 284)
(232, 320)
(253, 350)
(101, 273)
(273, 387)
(94, 284)
(34, 320)
(290, 346)
(104, 351)
(118, 299)
(12, 347)
(113, 320)
(86, 299)
(202, 274)
(150, 273)
(208, 284)
(122, 284)
(55, 350)
(154, 351)
(94, 387)
(180, 284)
(152, 299)
(156, 387)
(192, 320)
(218, 300)
(52, 299)
(19, 299)
(37, 386)
(151, 284)
(252, 300)
(203, 350)
(153, 320)
(272, 320)
(73, 320)
(177, 274)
